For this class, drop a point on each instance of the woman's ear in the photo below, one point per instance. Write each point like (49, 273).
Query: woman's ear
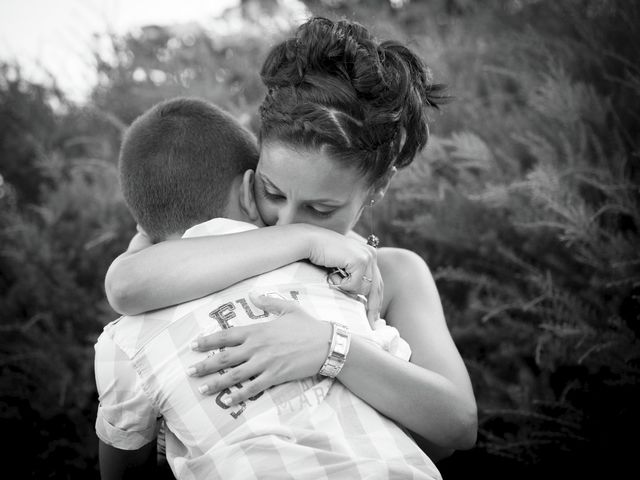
(248, 199)
(382, 185)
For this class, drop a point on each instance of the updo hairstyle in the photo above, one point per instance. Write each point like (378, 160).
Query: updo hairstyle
(333, 86)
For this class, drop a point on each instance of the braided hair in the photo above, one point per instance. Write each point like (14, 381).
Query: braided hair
(333, 86)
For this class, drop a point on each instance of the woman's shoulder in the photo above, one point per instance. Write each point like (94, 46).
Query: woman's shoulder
(398, 260)
(403, 271)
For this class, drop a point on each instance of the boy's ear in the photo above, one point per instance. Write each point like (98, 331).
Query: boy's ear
(247, 198)
(382, 185)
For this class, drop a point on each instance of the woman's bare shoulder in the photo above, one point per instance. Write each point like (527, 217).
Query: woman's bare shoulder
(400, 262)
(402, 270)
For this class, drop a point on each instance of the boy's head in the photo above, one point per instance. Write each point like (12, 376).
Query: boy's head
(178, 163)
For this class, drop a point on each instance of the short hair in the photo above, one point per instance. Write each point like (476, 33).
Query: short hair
(177, 163)
(334, 86)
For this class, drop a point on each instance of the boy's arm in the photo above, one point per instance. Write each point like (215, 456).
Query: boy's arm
(126, 420)
(117, 464)
(176, 271)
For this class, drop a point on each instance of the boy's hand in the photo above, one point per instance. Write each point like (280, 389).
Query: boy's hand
(355, 267)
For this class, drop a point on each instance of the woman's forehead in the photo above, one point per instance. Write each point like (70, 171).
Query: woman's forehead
(311, 172)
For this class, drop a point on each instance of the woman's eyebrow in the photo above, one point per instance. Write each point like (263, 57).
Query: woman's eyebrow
(330, 202)
(268, 182)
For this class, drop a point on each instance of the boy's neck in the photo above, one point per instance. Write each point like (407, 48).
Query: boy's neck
(241, 205)
(234, 210)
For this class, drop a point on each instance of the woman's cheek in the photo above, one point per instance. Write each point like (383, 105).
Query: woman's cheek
(267, 212)
(337, 223)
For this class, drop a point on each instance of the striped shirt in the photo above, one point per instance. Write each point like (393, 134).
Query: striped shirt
(313, 428)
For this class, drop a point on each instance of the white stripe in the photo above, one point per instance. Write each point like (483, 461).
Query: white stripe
(325, 418)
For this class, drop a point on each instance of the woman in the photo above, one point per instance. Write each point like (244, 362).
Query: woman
(342, 114)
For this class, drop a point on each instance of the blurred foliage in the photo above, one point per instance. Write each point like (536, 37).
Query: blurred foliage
(62, 220)
(524, 204)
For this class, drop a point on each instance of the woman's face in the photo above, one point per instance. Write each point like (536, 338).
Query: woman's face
(297, 185)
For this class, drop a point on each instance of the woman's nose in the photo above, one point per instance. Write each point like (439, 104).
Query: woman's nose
(286, 215)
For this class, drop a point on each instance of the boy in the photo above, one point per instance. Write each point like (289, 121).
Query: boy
(182, 163)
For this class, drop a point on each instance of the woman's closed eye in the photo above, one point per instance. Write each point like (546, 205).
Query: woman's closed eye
(320, 212)
(317, 210)
(275, 196)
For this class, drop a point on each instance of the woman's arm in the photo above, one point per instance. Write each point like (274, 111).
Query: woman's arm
(432, 395)
(176, 271)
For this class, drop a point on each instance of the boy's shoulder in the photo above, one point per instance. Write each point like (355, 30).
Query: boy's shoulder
(218, 226)
(132, 332)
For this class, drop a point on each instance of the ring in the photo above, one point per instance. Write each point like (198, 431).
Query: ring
(337, 271)
(367, 279)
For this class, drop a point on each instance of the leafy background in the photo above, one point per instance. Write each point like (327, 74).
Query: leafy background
(524, 204)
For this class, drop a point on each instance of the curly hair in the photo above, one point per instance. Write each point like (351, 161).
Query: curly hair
(333, 86)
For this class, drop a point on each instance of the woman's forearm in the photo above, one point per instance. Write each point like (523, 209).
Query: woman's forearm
(176, 271)
(432, 395)
(419, 399)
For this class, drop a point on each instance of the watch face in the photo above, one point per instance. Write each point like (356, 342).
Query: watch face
(341, 345)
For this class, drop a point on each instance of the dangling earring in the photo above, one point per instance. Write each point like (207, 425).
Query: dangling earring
(372, 239)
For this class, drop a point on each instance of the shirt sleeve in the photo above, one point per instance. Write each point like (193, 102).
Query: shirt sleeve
(126, 418)
(390, 340)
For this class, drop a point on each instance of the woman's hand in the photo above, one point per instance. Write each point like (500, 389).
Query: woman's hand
(256, 357)
(355, 268)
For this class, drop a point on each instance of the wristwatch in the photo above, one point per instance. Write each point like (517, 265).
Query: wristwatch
(340, 341)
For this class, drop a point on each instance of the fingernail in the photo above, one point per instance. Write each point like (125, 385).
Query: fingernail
(191, 371)
(194, 345)
(203, 389)
(273, 295)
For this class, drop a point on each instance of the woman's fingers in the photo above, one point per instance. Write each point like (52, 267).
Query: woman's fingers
(362, 278)
(270, 302)
(224, 359)
(374, 300)
(248, 390)
(238, 377)
(229, 337)
(273, 302)
(336, 276)
(358, 277)
(372, 278)
(292, 346)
